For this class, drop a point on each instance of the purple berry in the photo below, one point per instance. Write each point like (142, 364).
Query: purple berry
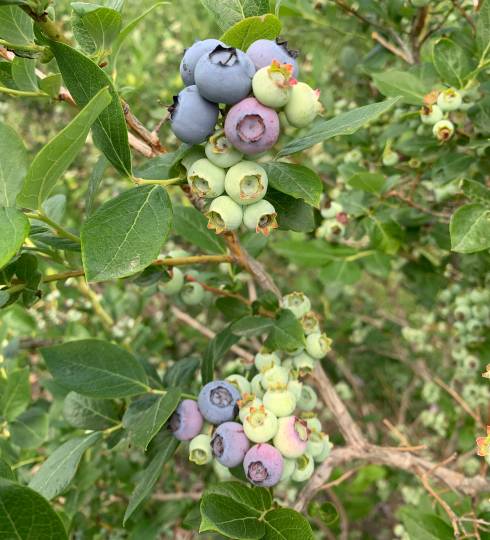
(263, 465)
(230, 444)
(264, 51)
(187, 421)
(251, 127)
(217, 402)
(192, 117)
(224, 75)
(192, 56)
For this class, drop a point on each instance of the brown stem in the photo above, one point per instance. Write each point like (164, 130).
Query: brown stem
(404, 55)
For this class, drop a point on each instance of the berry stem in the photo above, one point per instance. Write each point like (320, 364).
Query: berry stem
(166, 182)
(27, 47)
(58, 228)
(21, 93)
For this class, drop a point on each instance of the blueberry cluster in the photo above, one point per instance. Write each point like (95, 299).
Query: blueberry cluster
(263, 422)
(251, 90)
(334, 222)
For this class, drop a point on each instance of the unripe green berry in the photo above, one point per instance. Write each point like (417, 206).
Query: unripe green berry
(443, 130)
(308, 399)
(305, 467)
(246, 182)
(390, 158)
(192, 156)
(200, 451)
(289, 466)
(331, 210)
(354, 156)
(318, 345)
(449, 100)
(312, 422)
(257, 387)
(222, 472)
(260, 217)
(315, 443)
(265, 361)
(220, 151)
(224, 214)
(276, 375)
(206, 179)
(295, 387)
(304, 362)
(239, 382)
(303, 105)
(192, 293)
(272, 84)
(431, 114)
(327, 448)
(175, 283)
(246, 403)
(297, 302)
(280, 401)
(260, 425)
(310, 323)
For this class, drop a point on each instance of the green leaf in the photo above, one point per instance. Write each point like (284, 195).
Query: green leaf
(84, 79)
(366, 181)
(343, 124)
(15, 227)
(95, 368)
(451, 62)
(54, 158)
(215, 350)
(24, 74)
(251, 326)
(295, 180)
(182, 373)
(5, 471)
(191, 225)
(287, 333)
(470, 228)
(166, 165)
(292, 214)
(143, 423)
(425, 526)
(483, 30)
(309, 254)
(476, 191)
(16, 394)
(51, 84)
(86, 413)
(402, 83)
(25, 515)
(286, 524)
(229, 12)
(344, 272)
(58, 470)
(245, 32)
(15, 25)
(151, 474)
(94, 183)
(386, 236)
(101, 26)
(125, 234)
(255, 498)
(30, 429)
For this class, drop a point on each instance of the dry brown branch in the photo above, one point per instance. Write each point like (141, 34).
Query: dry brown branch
(404, 55)
(459, 399)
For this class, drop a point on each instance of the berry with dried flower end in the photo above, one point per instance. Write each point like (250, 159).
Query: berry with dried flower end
(304, 362)
(246, 403)
(331, 209)
(260, 217)
(240, 382)
(280, 401)
(315, 443)
(175, 283)
(192, 56)
(217, 402)
(263, 465)
(192, 118)
(297, 302)
(318, 345)
(327, 448)
(264, 361)
(224, 214)
(431, 114)
(308, 399)
(229, 444)
(200, 451)
(206, 179)
(291, 437)
(449, 100)
(304, 468)
(264, 51)
(220, 151)
(192, 293)
(295, 387)
(246, 182)
(276, 375)
(260, 425)
(186, 422)
(390, 157)
(303, 105)
(312, 422)
(257, 387)
(310, 323)
(288, 469)
(272, 84)
(443, 130)
(251, 127)
(224, 75)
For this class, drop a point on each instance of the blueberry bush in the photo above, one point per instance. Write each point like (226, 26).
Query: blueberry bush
(244, 269)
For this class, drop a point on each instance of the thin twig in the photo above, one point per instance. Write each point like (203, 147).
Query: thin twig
(392, 48)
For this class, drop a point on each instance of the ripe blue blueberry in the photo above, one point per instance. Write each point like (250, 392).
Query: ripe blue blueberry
(263, 465)
(229, 444)
(192, 118)
(217, 402)
(264, 51)
(186, 422)
(224, 75)
(251, 127)
(192, 56)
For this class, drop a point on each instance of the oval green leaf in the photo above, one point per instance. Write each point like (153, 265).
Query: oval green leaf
(245, 32)
(15, 227)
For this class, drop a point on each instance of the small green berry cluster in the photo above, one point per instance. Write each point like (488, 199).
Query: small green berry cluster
(334, 223)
